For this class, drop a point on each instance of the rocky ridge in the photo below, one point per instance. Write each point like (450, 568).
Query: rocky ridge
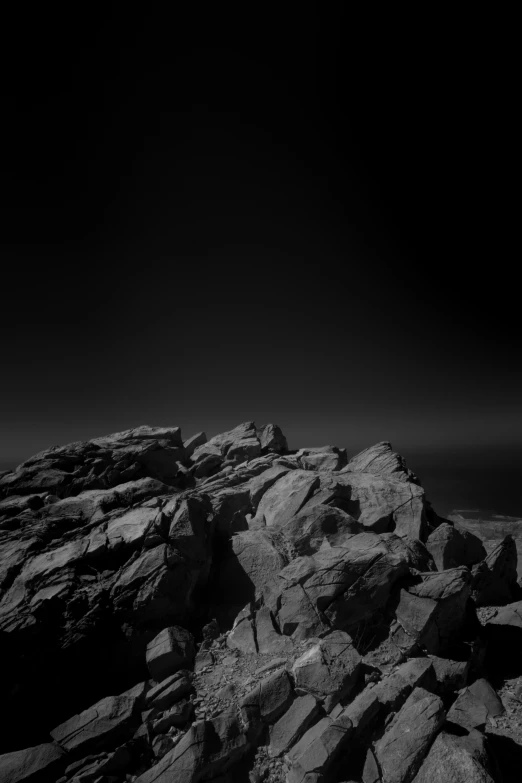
(230, 610)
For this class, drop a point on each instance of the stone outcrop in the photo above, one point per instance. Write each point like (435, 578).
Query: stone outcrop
(226, 609)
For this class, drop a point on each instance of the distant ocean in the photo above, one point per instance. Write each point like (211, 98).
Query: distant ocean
(485, 478)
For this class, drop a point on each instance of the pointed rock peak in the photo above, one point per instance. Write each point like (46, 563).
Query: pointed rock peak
(144, 432)
(381, 460)
(272, 439)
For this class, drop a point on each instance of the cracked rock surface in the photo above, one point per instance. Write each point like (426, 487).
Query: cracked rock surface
(230, 610)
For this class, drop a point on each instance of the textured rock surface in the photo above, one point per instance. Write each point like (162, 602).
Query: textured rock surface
(407, 739)
(263, 614)
(454, 760)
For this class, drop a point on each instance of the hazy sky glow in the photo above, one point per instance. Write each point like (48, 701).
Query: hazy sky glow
(207, 233)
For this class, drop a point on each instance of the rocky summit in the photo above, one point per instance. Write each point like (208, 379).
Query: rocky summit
(229, 610)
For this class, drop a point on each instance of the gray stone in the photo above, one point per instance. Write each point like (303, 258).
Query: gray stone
(474, 705)
(433, 612)
(272, 439)
(284, 498)
(169, 651)
(261, 483)
(169, 691)
(452, 760)
(319, 748)
(495, 578)
(192, 443)
(295, 721)
(450, 675)
(270, 698)
(452, 547)
(38, 764)
(110, 720)
(407, 739)
(381, 460)
(310, 528)
(329, 670)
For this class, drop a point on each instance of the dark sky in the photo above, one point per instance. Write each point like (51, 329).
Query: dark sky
(301, 218)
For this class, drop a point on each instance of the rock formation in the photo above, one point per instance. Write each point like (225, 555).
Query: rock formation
(230, 610)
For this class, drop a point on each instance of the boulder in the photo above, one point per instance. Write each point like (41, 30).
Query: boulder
(242, 636)
(495, 578)
(329, 669)
(326, 458)
(169, 691)
(207, 749)
(453, 759)
(408, 737)
(340, 586)
(382, 503)
(381, 460)
(171, 650)
(474, 705)
(111, 720)
(250, 571)
(272, 439)
(433, 611)
(450, 675)
(452, 547)
(285, 498)
(241, 437)
(192, 443)
(261, 483)
(311, 527)
(270, 698)
(295, 721)
(318, 749)
(38, 764)
(372, 705)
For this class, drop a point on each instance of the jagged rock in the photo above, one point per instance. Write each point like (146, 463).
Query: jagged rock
(474, 705)
(308, 529)
(510, 615)
(452, 547)
(292, 724)
(130, 528)
(450, 675)
(339, 586)
(242, 441)
(168, 691)
(206, 750)
(286, 497)
(272, 439)
(169, 651)
(433, 611)
(494, 580)
(380, 503)
(269, 699)
(192, 443)
(242, 636)
(37, 765)
(376, 702)
(260, 484)
(319, 748)
(268, 640)
(177, 715)
(454, 759)
(250, 571)
(138, 532)
(408, 737)
(329, 670)
(381, 460)
(110, 720)
(325, 458)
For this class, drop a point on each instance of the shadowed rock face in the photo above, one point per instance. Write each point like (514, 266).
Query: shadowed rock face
(189, 610)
